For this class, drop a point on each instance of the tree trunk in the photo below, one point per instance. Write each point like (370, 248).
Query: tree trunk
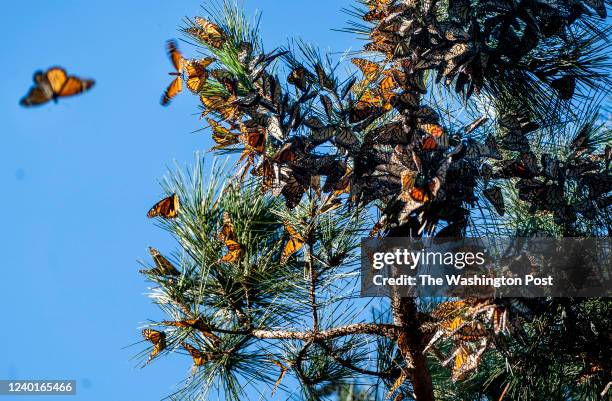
(411, 345)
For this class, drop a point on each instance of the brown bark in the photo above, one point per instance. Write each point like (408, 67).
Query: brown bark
(411, 344)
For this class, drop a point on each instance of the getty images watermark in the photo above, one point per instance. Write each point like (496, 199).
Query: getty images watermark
(483, 267)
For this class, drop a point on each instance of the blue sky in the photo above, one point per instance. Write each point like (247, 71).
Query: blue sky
(77, 178)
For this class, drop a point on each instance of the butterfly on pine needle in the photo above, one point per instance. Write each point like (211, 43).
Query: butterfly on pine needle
(207, 32)
(196, 73)
(294, 244)
(228, 236)
(369, 69)
(166, 208)
(254, 138)
(163, 267)
(222, 136)
(496, 197)
(196, 324)
(224, 106)
(158, 339)
(299, 78)
(53, 84)
(227, 79)
(199, 358)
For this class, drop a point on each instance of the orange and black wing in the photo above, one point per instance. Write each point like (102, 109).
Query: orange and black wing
(175, 55)
(158, 338)
(166, 208)
(234, 252)
(198, 357)
(295, 243)
(40, 93)
(175, 87)
(197, 73)
(163, 265)
(64, 85)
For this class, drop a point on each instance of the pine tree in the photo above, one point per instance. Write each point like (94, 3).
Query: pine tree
(461, 118)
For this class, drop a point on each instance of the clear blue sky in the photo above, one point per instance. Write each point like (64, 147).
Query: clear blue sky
(77, 178)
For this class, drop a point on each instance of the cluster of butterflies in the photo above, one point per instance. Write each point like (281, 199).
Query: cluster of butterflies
(475, 43)
(168, 208)
(422, 173)
(158, 339)
(472, 325)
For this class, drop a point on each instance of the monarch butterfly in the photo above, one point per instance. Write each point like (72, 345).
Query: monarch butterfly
(53, 84)
(227, 79)
(224, 106)
(284, 154)
(167, 208)
(369, 69)
(295, 243)
(343, 186)
(496, 197)
(434, 130)
(208, 32)
(198, 357)
(158, 338)
(298, 78)
(228, 236)
(197, 324)
(368, 105)
(346, 138)
(386, 87)
(176, 86)
(514, 140)
(227, 229)
(221, 135)
(197, 73)
(429, 143)
(408, 179)
(254, 138)
(235, 252)
(406, 100)
(374, 15)
(524, 166)
(163, 267)
(328, 106)
(324, 80)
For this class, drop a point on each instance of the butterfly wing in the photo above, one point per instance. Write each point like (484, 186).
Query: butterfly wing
(74, 85)
(496, 197)
(235, 252)
(197, 74)
(157, 338)
(198, 358)
(295, 243)
(210, 33)
(57, 77)
(166, 208)
(175, 55)
(175, 87)
(40, 93)
(162, 264)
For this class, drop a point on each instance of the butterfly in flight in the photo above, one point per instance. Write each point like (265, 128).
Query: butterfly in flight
(166, 208)
(53, 84)
(176, 86)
